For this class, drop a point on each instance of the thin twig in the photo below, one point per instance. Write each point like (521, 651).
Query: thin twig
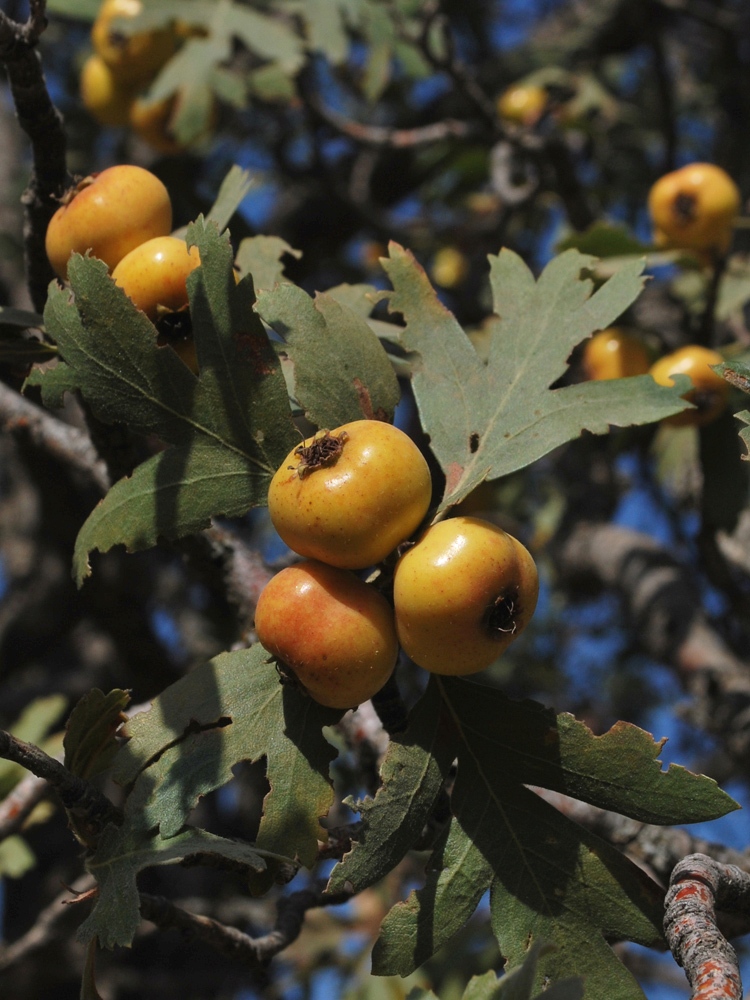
(77, 796)
(395, 138)
(253, 952)
(63, 442)
(20, 803)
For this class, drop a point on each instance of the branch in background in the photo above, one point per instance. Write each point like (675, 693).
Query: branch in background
(65, 443)
(394, 138)
(668, 622)
(42, 122)
(51, 924)
(92, 809)
(20, 803)
(254, 952)
(698, 887)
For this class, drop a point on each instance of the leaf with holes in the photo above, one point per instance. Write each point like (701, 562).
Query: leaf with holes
(487, 417)
(231, 709)
(228, 429)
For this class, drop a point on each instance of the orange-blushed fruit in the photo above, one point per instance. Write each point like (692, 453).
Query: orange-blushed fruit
(522, 103)
(710, 392)
(350, 496)
(333, 631)
(614, 353)
(154, 275)
(108, 214)
(462, 594)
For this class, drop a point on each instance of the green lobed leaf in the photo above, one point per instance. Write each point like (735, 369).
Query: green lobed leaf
(518, 983)
(16, 857)
(619, 770)
(735, 372)
(33, 726)
(341, 371)
(604, 239)
(744, 417)
(90, 743)
(231, 427)
(268, 37)
(231, 709)
(123, 852)
(413, 771)
(261, 256)
(488, 418)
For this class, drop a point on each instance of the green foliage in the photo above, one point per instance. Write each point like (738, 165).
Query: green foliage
(90, 743)
(487, 418)
(550, 879)
(228, 429)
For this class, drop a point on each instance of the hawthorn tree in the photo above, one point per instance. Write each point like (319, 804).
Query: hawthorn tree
(380, 237)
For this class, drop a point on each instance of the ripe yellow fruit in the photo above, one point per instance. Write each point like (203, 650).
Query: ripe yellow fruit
(334, 632)
(154, 275)
(693, 208)
(522, 104)
(462, 594)
(109, 214)
(711, 391)
(135, 58)
(348, 497)
(106, 100)
(613, 353)
(150, 120)
(449, 267)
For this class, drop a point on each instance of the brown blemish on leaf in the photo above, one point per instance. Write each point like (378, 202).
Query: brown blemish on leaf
(453, 475)
(736, 379)
(253, 351)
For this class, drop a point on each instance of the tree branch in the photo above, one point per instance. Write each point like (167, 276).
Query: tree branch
(668, 622)
(92, 809)
(698, 887)
(42, 122)
(253, 952)
(20, 803)
(65, 443)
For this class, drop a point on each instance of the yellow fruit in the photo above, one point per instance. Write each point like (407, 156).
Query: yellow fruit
(109, 214)
(711, 390)
(334, 632)
(522, 104)
(348, 497)
(107, 100)
(613, 353)
(135, 58)
(462, 594)
(154, 275)
(449, 267)
(693, 208)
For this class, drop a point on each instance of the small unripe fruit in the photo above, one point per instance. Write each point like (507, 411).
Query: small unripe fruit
(348, 497)
(449, 267)
(106, 100)
(154, 275)
(334, 632)
(462, 594)
(522, 104)
(613, 353)
(108, 214)
(693, 208)
(711, 391)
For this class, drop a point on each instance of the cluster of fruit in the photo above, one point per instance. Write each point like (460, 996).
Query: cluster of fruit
(114, 78)
(693, 208)
(348, 499)
(123, 216)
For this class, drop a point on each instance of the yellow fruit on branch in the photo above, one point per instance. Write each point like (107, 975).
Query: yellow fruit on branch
(104, 97)
(333, 631)
(462, 594)
(694, 208)
(711, 391)
(154, 274)
(133, 58)
(614, 353)
(108, 214)
(348, 497)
